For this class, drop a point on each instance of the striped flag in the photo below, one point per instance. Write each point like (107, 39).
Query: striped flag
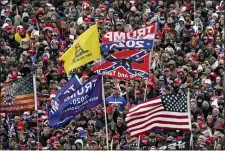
(17, 95)
(4, 87)
(166, 112)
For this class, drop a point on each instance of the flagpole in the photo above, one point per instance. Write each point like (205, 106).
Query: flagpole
(146, 85)
(35, 91)
(106, 124)
(189, 117)
(194, 10)
(189, 109)
(139, 140)
(214, 145)
(35, 101)
(150, 59)
(111, 145)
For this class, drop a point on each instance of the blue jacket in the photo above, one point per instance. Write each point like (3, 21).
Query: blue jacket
(116, 100)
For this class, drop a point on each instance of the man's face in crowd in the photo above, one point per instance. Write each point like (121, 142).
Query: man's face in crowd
(94, 146)
(218, 147)
(180, 58)
(138, 95)
(110, 14)
(17, 119)
(34, 119)
(83, 122)
(129, 88)
(216, 135)
(115, 91)
(119, 121)
(90, 127)
(46, 131)
(107, 84)
(215, 112)
(160, 3)
(136, 84)
(119, 27)
(193, 106)
(39, 71)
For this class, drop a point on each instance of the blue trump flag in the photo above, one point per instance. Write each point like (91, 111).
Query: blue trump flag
(69, 87)
(87, 96)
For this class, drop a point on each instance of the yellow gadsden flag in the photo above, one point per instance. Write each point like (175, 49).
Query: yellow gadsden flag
(84, 50)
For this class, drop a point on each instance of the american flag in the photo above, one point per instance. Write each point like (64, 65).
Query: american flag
(17, 95)
(166, 112)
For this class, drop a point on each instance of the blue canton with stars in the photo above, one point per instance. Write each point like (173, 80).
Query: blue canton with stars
(175, 102)
(118, 64)
(21, 86)
(120, 45)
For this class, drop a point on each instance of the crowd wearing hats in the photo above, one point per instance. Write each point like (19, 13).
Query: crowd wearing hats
(188, 55)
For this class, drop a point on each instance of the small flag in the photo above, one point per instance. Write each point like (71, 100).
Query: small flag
(166, 112)
(18, 96)
(84, 50)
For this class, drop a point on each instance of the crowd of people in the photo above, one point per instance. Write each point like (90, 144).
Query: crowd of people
(188, 54)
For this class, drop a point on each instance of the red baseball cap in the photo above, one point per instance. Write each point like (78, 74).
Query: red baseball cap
(109, 109)
(116, 137)
(167, 70)
(99, 112)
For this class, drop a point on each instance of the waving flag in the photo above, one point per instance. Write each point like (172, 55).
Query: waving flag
(87, 96)
(127, 64)
(84, 50)
(147, 32)
(18, 96)
(166, 112)
(142, 38)
(69, 87)
(129, 44)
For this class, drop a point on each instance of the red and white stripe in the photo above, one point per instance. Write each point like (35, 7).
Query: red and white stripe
(151, 114)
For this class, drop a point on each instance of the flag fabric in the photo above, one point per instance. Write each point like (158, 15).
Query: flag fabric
(5, 87)
(84, 50)
(166, 112)
(85, 97)
(127, 64)
(142, 38)
(183, 144)
(69, 87)
(147, 32)
(129, 44)
(18, 96)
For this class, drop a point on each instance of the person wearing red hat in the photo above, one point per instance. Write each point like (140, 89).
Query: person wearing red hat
(177, 86)
(195, 76)
(111, 114)
(150, 90)
(219, 130)
(99, 120)
(116, 141)
(21, 34)
(138, 98)
(168, 77)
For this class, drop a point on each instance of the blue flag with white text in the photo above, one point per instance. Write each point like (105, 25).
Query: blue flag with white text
(69, 87)
(69, 105)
